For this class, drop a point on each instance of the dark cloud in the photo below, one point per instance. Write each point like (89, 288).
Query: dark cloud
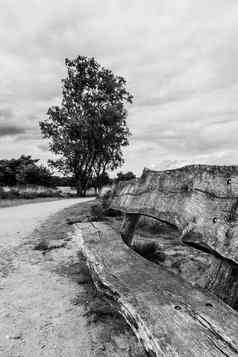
(10, 130)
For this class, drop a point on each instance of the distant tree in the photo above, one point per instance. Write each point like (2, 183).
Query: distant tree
(35, 175)
(10, 170)
(24, 170)
(7, 172)
(62, 181)
(88, 130)
(125, 176)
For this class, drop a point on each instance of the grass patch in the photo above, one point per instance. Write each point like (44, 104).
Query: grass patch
(21, 201)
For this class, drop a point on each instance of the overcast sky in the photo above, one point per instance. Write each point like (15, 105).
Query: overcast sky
(179, 57)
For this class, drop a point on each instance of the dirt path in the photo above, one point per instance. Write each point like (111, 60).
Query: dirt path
(37, 317)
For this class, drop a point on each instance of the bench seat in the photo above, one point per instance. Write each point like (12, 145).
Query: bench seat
(169, 316)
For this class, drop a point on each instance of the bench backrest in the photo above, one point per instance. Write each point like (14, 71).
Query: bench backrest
(200, 200)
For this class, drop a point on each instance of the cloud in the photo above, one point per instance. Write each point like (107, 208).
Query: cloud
(5, 114)
(43, 147)
(9, 130)
(178, 56)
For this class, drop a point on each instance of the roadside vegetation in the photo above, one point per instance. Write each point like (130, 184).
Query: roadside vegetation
(25, 180)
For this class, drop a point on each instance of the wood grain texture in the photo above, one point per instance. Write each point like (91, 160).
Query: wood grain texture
(201, 201)
(168, 315)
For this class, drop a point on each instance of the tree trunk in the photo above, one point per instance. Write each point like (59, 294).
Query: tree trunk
(81, 183)
(81, 191)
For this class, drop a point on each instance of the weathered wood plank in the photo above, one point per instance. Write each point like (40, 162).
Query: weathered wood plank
(219, 181)
(201, 201)
(170, 317)
(198, 200)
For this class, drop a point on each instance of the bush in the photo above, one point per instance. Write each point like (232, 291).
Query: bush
(106, 200)
(11, 194)
(96, 211)
(125, 176)
(2, 193)
(24, 170)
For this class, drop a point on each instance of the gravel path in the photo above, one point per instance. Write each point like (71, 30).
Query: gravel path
(37, 317)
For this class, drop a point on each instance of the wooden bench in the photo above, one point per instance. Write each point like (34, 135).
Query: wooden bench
(201, 201)
(169, 316)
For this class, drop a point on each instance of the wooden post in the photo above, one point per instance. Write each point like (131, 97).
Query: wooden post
(128, 227)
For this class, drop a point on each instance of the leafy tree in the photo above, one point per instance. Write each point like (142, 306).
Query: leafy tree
(88, 130)
(34, 175)
(10, 170)
(125, 176)
(7, 172)
(24, 170)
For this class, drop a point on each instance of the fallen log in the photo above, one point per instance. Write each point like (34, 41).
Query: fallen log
(169, 316)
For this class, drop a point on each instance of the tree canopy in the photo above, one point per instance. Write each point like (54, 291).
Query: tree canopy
(125, 176)
(88, 130)
(24, 170)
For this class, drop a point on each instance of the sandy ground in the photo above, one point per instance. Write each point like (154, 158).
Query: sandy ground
(37, 316)
(49, 306)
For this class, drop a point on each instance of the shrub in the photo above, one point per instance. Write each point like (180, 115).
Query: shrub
(2, 193)
(96, 211)
(11, 194)
(106, 200)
